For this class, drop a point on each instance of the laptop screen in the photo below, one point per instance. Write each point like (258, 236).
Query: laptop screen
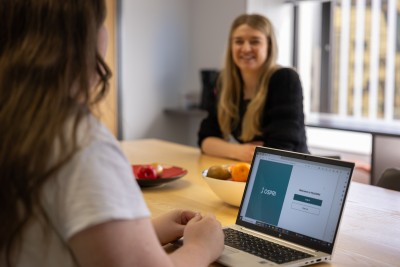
(295, 197)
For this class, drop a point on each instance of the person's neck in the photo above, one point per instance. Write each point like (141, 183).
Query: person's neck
(250, 81)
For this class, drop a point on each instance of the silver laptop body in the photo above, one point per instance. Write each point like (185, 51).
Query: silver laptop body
(292, 199)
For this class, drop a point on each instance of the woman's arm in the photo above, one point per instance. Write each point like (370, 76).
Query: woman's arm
(135, 243)
(211, 142)
(283, 119)
(218, 147)
(119, 243)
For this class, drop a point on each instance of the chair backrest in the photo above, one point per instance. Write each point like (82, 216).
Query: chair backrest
(390, 179)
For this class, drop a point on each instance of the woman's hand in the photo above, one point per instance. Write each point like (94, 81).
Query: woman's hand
(204, 234)
(245, 152)
(170, 226)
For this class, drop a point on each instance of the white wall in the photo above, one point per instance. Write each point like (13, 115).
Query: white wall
(211, 21)
(163, 45)
(153, 62)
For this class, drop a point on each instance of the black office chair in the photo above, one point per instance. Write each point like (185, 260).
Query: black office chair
(390, 179)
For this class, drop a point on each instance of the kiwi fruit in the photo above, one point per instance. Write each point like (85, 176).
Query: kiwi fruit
(219, 172)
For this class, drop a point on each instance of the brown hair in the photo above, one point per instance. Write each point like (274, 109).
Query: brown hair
(231, 80)
(48, 60)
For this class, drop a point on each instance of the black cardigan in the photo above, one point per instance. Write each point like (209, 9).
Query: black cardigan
(282, 121)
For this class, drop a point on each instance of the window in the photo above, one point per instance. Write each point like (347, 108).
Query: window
(348, 55)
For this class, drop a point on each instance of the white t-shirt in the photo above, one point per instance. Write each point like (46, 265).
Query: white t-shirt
(96, 186)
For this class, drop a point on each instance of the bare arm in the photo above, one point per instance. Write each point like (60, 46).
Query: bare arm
(135, 243)
(119, 243)
(218, 147)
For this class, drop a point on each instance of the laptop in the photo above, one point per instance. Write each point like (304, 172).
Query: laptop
(290, 210)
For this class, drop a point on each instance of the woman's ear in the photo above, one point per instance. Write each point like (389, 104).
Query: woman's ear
(102, 41)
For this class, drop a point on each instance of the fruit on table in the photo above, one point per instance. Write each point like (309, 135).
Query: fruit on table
(147, 172)
(240, 172)
(219, 172)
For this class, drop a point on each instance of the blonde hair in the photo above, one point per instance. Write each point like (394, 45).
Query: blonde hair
(231, 80)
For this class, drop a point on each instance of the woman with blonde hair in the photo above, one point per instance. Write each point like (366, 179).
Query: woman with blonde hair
(258, 102)
(68, 196)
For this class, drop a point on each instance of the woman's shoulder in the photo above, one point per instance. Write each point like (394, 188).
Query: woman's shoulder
(285, 81)
(285, 73)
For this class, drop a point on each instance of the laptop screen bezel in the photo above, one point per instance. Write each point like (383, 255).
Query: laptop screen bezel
(297, 240)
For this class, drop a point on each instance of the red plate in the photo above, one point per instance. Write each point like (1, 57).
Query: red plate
(170, 173)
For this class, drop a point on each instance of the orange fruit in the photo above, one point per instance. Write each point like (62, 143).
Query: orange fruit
(240, 172)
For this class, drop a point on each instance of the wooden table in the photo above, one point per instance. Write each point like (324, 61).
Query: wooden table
(370, 229)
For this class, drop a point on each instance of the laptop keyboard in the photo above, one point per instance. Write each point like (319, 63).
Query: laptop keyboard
(262, 248)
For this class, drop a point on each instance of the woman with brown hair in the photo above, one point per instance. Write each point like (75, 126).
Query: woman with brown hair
(258, 102)
(67, 193)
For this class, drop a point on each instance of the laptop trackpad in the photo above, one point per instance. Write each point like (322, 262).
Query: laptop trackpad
(233, 257)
